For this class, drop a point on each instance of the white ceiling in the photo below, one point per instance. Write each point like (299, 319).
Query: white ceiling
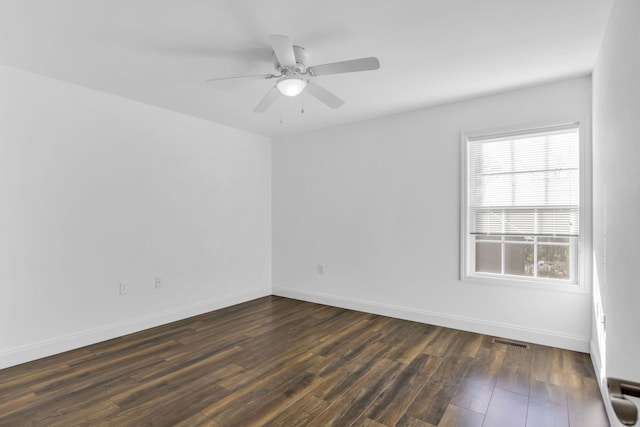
(431, 51)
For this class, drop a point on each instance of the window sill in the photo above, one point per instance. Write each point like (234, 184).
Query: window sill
(515, 282)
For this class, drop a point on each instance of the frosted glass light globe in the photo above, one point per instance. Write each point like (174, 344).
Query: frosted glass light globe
(291, 86)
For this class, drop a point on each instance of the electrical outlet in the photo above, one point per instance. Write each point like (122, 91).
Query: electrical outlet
(124, 289)
(158, 282)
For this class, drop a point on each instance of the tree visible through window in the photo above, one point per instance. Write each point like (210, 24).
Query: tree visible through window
(522, 204)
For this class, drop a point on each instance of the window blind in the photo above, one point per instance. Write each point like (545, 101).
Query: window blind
(525, 183)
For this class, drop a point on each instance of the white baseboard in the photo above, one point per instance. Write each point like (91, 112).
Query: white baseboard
(27, 353)
(602, 384)
(595, 360)
(536, 336)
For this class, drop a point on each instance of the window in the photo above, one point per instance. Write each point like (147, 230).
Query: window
(521, 205)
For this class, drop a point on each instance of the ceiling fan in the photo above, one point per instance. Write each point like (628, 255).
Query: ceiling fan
(295, 76)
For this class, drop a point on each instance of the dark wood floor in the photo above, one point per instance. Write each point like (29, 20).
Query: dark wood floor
(281, 362)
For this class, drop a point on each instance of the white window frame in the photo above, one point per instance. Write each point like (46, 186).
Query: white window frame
(581, 267)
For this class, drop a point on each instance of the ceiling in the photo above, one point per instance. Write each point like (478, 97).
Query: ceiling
(160, 52)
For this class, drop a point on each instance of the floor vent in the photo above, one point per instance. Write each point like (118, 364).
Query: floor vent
(511, 343)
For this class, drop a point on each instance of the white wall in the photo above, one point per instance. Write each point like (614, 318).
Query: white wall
(96, 189)
(377, 203)
(616, 160)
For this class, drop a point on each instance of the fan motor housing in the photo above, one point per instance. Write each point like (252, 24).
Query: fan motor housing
(302, 59)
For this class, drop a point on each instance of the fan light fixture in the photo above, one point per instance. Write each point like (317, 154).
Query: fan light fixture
(291, 85)
(293, 75)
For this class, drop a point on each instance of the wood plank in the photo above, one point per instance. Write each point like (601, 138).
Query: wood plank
(577, 363)
(368, 422)
(259, 408)
(466, 344)
(409, 352)
(149, 390)
(442, 342)
(515, 373)
(506, 409)
(407, 421)
(76, 416)
(393, 402)
(477, 386)
(341, 379)
(171, 407)
(547, 365)
(11, 404)
(434, 398)
(584, 403)
(547, 406)
(305, 409)
(86, 373)
(261, 385)
(21, 383)
(350, 405)
(197, 420)
(455, 416)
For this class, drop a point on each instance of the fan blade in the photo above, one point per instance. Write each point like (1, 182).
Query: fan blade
(266, 102)
(323, 95)
(362, 64)
(248, 77)
(283, 48)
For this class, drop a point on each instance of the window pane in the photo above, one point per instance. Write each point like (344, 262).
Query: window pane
(518, 259)
(488, 257)
(553, 262)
